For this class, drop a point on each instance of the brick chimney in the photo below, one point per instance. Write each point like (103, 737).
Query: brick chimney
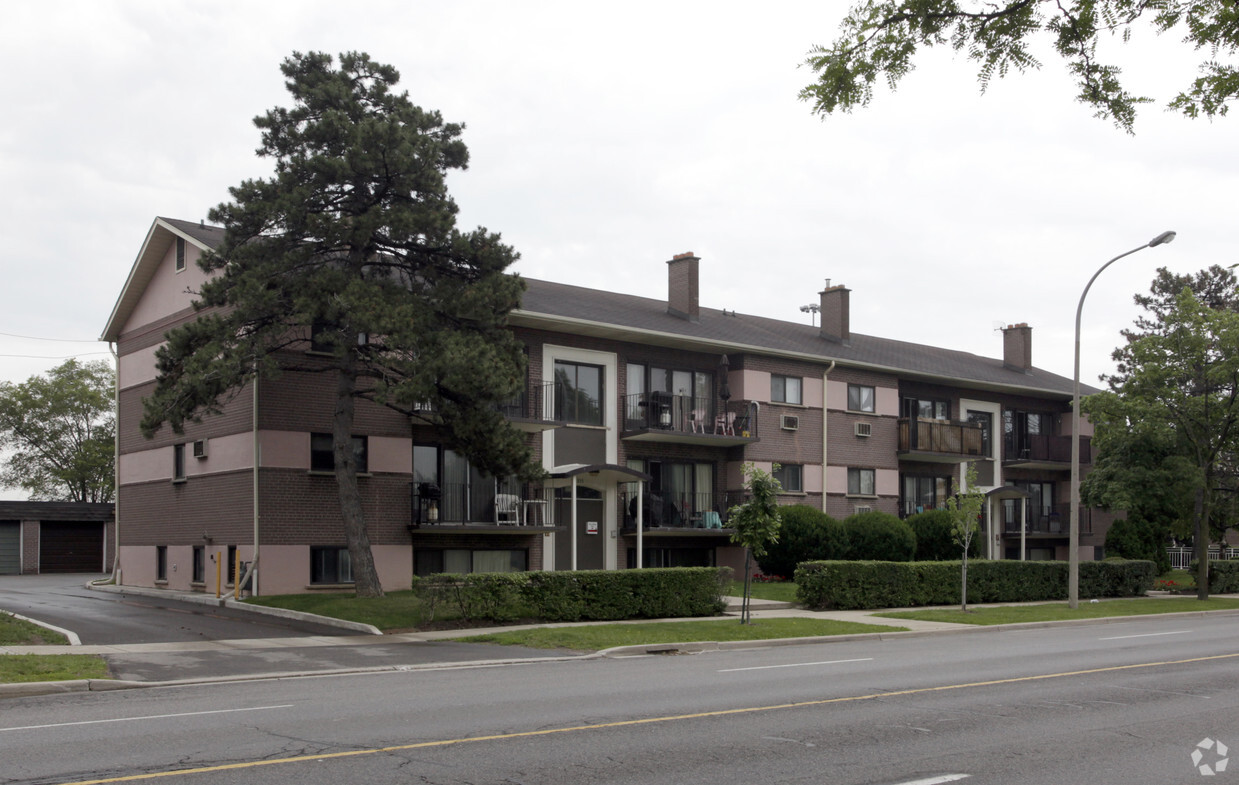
(835, 314)
(682, 287)
(1017, 347)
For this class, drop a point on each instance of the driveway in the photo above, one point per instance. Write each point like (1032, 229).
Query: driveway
(110, 618)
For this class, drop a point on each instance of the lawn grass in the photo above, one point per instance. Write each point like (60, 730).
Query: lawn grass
(1058, 611)
(605, 636)
(779, 591)
(397, 610)
(1176, 580)
(19, 632)
(51, 667)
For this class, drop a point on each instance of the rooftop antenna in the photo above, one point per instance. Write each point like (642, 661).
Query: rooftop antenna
(813, 308)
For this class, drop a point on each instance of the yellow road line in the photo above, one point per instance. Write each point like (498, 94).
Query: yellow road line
(645, 721)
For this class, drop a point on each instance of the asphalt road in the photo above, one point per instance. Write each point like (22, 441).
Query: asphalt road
(111, 618)
(1125, 702)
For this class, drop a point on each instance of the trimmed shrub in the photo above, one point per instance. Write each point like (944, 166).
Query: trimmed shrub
(1135, 538)
(1224, 577)
(879, 536)
(934, 540)
(608, 595)
(870, 584)
(806, 534)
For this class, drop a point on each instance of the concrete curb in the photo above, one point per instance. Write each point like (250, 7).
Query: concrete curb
(262, 610)
(69, 634)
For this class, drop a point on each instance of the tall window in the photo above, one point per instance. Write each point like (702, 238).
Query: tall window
(199, 567)
(790, 476)
(785, 389)
(330, 565)
(986, 421)
(578, 393)
(178, 462)
(862, 482)
(432, 561)
(860, 398)
(161, 562)
(180, 254)
(926, 409)
(323, 453)
(922, 493)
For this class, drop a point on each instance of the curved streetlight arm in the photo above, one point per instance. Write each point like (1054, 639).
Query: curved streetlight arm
(1073, 557)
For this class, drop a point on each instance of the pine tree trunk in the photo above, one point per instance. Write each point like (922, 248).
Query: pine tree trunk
(365, 576)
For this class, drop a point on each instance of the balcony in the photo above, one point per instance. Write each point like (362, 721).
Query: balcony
(680, 513)
(939, 441)
(527, 411)
(490, 505)
(1034, 451)
(684, 419)
(1047, 521)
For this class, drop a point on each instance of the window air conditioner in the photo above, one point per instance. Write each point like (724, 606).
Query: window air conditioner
(789, 422)
(200, 448)
(864, 429)
(863, 508)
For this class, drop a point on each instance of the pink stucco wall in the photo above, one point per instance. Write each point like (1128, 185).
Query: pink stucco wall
(285, 449)
(168, 291)
(886, 399)
(137, 367)
(391, 454)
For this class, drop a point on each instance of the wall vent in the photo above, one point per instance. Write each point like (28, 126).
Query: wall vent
(200, 448)
(864, 429)
(789, 422)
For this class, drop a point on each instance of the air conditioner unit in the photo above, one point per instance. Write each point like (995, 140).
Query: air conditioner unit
(863, 508)
(200, 448)
(864, 429)
(789, 422)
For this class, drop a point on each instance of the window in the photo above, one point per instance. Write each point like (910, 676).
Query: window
(231, 566)
(860, 398)
(791, 476)
(322, 453)
(330, 565)
(679, 494)
(785, 389)
(466, 493)
(926, 409)
(672, 557)
(180, 254)
(432, 561)
(199, 572)
(178, 462)
(161, 562)
(861, 482)
(578, 393)
(921, 493)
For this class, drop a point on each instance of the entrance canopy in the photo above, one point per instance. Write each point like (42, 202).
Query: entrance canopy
(598, 476)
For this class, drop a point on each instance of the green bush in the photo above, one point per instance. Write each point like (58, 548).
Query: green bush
(1135, 538)
(806, 534)
(587, 595)
(872, 584)
(879, 536)
(934, 538)
(1224, 577)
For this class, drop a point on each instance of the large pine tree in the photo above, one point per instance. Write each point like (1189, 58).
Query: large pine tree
(353, 243)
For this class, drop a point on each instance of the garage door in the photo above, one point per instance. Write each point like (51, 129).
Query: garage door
(10, 548)
(70, 547)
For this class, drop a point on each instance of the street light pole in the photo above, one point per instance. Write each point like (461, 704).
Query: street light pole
(1073, 557)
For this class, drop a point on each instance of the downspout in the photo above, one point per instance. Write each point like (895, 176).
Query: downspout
(251, 574)
(825, 427)
(116, 576)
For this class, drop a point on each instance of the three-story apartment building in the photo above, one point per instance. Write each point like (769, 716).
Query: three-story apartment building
(641, 410)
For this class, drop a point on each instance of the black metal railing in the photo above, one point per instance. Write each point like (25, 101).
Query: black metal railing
(531, 403)
(475, 503)
(955, 438)
(679, 510)
(1054, 519)
(1050, 449)
(688, 414)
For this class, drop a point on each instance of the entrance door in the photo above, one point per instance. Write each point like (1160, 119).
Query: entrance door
(591, 547)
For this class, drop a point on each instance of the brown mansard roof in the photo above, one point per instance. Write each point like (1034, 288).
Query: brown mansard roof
(605, 314)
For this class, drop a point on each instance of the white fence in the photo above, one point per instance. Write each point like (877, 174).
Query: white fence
(1181, 558)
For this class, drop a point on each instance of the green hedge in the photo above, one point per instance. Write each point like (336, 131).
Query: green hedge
(586, 595)
(1224, 577)
(871, 584)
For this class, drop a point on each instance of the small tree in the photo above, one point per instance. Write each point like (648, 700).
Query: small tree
(965, 509)
(756, 523)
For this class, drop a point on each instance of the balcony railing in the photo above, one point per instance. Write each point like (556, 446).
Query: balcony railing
(532, 403)
(679, 510)
(942, 436)
(1044, 449)
(483, 503)
(687, 414)
(1051, 520)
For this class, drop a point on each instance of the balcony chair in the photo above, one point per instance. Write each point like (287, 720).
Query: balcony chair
(507, 508)
(725, 424)
(697, 419)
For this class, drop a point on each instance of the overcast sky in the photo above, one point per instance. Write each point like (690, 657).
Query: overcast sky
(604, 140)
